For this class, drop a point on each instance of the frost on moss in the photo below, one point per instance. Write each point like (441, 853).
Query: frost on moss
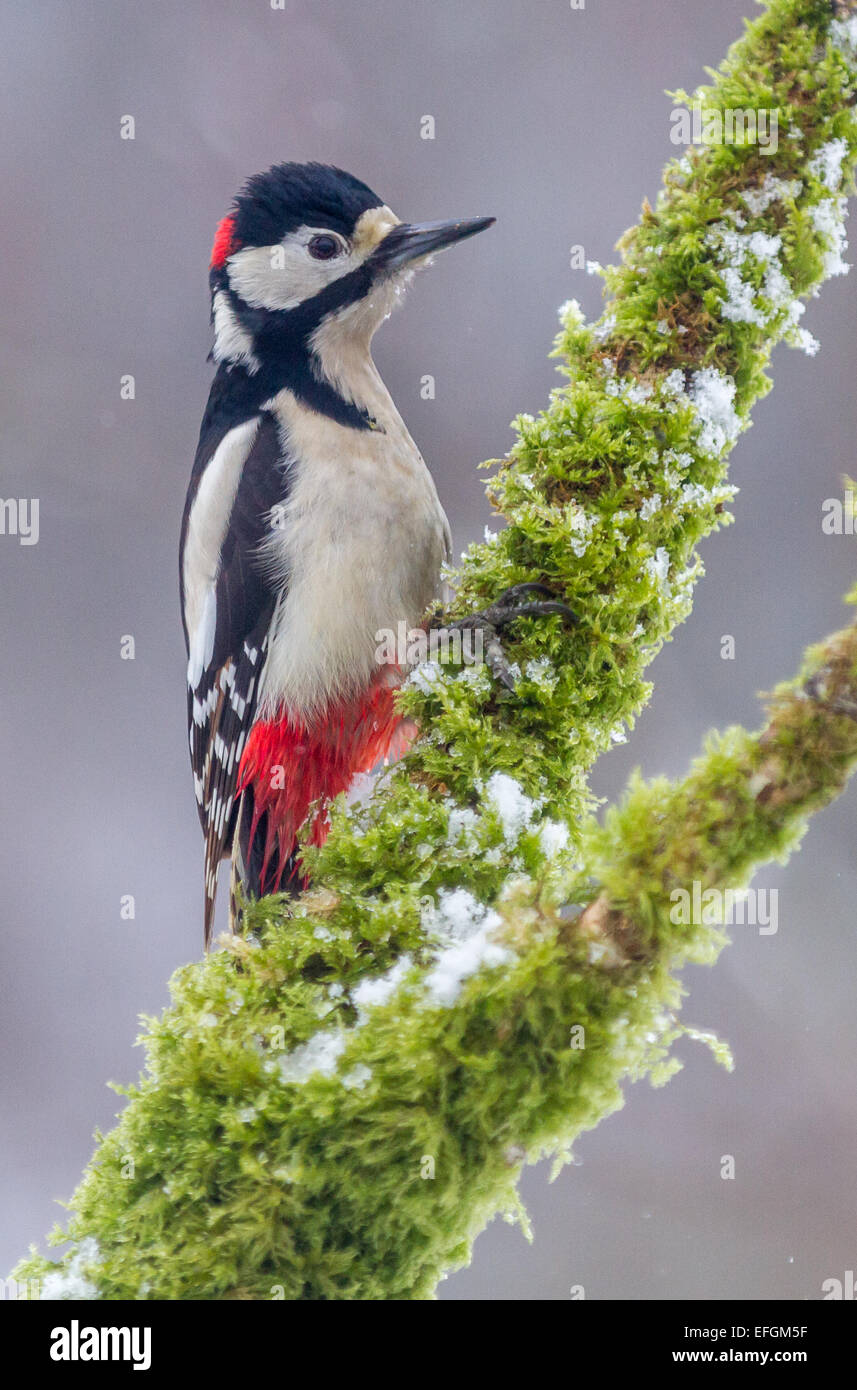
(335, 1104)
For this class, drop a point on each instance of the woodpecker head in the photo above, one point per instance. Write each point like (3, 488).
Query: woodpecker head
(307, 250)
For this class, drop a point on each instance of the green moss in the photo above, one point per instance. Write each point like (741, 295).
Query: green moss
(235, 1169)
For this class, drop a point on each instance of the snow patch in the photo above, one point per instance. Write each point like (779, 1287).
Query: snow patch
(673, 383)
(462, 825)
(844, 36)
(374, 992)
(458, 963)
(570, 314)
(318, 1056)
(773, 190)
(713, 395)
(582, 525)
(828, 218)
(540, 670)
(356, 1079)
(426, 676)
(455, 916)
(774, 299)
(71, 1283)
(658, 568)
(826, 163)
(626, 388)
(513, 806)
(465, 925)
(553, 837)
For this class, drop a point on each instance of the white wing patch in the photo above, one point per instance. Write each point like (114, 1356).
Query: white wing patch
(206, 529)
(202, 639)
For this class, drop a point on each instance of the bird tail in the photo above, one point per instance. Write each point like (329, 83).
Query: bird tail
(252, 876)
(239, 875)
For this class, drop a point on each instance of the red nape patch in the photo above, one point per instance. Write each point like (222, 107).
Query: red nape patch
(291, 766)
(224, 242)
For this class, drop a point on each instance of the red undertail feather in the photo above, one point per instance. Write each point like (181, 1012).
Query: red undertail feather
(291, 765)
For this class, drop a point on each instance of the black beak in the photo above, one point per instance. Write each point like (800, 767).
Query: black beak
(410, 241)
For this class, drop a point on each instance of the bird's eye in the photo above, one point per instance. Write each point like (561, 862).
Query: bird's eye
(323, 247)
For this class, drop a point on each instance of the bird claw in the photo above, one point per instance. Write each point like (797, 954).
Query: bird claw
(509, 606)
(512, 604)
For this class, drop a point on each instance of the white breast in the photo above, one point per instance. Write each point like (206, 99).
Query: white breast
(359, 546)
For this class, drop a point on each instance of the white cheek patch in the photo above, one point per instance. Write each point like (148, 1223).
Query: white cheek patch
(285, 275)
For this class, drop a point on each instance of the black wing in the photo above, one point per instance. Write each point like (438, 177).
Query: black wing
(222, 695)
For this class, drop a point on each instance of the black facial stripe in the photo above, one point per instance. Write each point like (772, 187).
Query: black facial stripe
(281, 343)
(236, 395)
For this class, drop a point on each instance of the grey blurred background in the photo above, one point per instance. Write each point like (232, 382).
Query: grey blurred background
(555, 121)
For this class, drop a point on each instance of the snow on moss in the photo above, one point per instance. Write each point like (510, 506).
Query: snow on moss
(379, 989)
(773, 190)
(657, 567)
(828, 218)
(320, 1055)
(455, 916)
(71, 1283)
(357, 1077)
(553, 837)
(771, 302)
(844, 35)
(515, 809)
(467, 927)
(463, 823)
(542, 672)
(713, 396)
(425, 676)
(826, 163)
(458, 963)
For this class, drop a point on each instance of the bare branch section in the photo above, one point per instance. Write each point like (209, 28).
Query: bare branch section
(335, 1104)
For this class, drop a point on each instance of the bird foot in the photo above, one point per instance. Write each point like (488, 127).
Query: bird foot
(517, 602)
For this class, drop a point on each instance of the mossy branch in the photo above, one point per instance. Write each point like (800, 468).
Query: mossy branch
(745, 802)
(336, 1103)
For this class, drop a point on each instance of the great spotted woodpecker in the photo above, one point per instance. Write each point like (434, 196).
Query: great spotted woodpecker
(311, 520)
